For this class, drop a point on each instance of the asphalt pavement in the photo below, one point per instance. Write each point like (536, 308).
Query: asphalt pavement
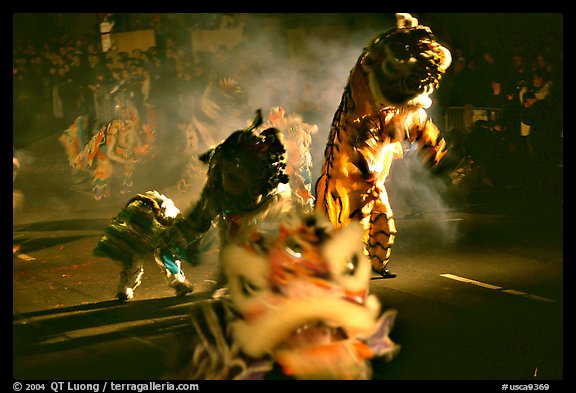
(67, 325)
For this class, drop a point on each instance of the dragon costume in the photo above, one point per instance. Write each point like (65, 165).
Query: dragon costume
(298, 308)
(380, 118)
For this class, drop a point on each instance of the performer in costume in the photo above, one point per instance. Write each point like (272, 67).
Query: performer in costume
(298, 305)
(381, 117)
(297, 137)
(298, 308)
(134, 235)
(118, 146)
(15, 164)
(246, 183)
(221, 106)
(17, 195)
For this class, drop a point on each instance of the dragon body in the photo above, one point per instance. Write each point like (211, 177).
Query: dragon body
(381, 116)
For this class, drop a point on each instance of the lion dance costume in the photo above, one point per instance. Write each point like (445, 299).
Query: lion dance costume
(116, 148)
(221, 105)
(135, 234)
(297, 137)
(381, 117)
(298, 308)
(298, 303)
(246, 182)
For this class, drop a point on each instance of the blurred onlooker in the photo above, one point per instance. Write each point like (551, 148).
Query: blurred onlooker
(541, 84)
(80, 95)
(487, 148)
(96, 64)
(162, 97)
(140, 85)
(17, 195)
(138, 56)
(543, 117)
(544, 63)
(454, 91)
(65, 95)
(22, 95)
(496, 97)
(102, 99)
(519, 72)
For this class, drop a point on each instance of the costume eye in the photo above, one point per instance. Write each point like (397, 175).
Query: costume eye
(351, 265)
(294, 248)
(246, 287)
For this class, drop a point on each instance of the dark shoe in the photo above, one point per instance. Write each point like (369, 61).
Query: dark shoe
(125, 295)
(182, 288)
(385, 273)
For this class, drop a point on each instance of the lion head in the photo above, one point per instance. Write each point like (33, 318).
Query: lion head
(404, 65)
(301, 294)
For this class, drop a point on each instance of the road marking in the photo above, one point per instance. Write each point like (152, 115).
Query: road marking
(469, 281)
(24, 257)
(497, 288)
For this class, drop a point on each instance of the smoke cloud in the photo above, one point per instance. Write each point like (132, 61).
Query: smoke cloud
(298, 61)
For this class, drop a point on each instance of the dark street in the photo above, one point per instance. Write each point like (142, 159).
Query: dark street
(479, 291)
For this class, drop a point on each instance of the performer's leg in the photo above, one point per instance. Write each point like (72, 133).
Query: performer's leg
(381, 234)
(101, 178)
(170, 266)
(127, 182)
(186, 181)
(130, 278)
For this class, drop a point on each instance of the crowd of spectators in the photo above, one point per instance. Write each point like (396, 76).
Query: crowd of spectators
(523, 145)
(67, 77)
(71, 80)
(71, 76)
